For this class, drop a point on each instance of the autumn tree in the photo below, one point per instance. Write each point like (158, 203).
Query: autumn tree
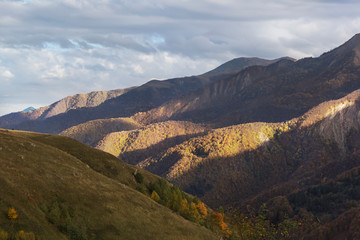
(218, 220)
(12, 214)
(155, 196)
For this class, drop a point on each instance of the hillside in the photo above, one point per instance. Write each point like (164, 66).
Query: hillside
(37, 176)
(143, 143)
(64, 105)
(93, 131)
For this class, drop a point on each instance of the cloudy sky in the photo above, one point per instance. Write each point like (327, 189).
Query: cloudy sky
(50, 49)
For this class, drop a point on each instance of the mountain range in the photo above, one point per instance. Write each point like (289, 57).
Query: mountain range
(282, 132)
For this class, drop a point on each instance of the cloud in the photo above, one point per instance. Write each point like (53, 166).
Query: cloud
(51, 49)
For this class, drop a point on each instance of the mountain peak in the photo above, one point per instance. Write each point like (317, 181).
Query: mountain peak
(29, 109)
(353, 44)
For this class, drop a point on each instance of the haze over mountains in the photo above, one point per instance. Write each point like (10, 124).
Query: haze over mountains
(252, 131)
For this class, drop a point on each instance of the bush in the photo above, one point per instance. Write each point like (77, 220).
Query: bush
(12, 214)
(139, 178)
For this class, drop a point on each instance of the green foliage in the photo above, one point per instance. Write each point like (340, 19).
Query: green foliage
(62, 217)
(258, 226)
(328, 198)
(139, 177)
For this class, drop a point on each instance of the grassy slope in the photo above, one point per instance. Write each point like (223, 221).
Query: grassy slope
(57, 169)
(92, 132)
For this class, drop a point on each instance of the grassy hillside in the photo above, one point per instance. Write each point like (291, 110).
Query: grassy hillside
(62, 189)
(93, 131)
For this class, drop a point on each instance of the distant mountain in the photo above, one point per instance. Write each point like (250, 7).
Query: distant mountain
(62, 106)
(29, 109)
(57, 188)
(139, 99)
(238, 64)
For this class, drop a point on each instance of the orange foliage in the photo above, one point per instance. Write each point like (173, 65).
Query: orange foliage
(12, 214)
(202, 209)
(218, 220)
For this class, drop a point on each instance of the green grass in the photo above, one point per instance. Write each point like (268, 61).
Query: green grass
(63, 189)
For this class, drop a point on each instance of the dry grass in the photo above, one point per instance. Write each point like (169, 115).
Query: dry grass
(38, 170)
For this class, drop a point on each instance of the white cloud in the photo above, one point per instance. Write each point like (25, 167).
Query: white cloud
(5, 73)
(51, 49)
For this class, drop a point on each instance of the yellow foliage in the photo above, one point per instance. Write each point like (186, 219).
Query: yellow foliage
(202, 208)
(155, 196)
(12, 214)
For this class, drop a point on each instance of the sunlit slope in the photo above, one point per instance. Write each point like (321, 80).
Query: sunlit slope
(93, 131)
(63, 189)
(146, 142)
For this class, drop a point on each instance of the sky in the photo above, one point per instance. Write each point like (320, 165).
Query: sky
(50, 49)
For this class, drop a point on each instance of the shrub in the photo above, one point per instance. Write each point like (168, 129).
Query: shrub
(139, 178)
(155, 196)
(12, 214)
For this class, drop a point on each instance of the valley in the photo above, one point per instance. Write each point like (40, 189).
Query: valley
(268, 143)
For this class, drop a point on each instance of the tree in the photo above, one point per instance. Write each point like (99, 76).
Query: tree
(12, 214)
(202, 208)
(155, 196)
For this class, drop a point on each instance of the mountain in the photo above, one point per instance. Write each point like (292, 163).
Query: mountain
(56, 188)
(238, 64)
(309, 164)
(277, 92)
(62, 106)
(275, 145)
(140, 99)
